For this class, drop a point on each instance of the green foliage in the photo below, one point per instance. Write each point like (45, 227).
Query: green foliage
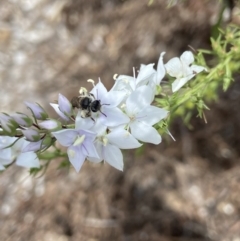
(222, 62)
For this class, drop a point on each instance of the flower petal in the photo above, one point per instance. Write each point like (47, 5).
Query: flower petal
(113, 156)
(145, 133)
(28, 160)
(113, 117)
(174, 67)
(99, 128)
(6, 156)
(113, 98)
(83, 123)
(76, 157)
(99, 91)
(145, 74)
(197, 69)
(99, 148)
(64, 105)
(32, 146)
(160, 70)
(56, 108)
(139, 99)
(124, 83)
(178, 83)
(187, 57)
(89, 135)
(88, 149)
(123, 139)
(65, 137)
(151, 115)
(6, 141)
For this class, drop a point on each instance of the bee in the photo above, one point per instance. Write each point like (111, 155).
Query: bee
(87, 104)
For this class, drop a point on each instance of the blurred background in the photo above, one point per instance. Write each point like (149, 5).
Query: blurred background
(184, 190)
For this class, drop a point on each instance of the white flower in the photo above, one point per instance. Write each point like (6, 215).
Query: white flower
(147, 76)
(108, 145)
(142, 115)
(180, 69)
(109, 114)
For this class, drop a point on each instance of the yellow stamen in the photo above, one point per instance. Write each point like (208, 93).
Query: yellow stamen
(91, 81)
(105, 141)
(83, 91)
(115, 76)
(123, 106)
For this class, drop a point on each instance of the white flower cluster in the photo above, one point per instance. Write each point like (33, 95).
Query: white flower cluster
(125, 117)
(105, 122)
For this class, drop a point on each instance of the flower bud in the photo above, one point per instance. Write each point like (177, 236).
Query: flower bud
(8, 124)
(51, 125)
(64, 105)
(38, 112)
(22, 119)
(31, 135)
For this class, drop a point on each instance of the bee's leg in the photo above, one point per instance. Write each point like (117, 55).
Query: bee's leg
(102, 113)
(93, 120)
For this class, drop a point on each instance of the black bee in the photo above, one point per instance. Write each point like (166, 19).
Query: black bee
(87, 104)
(96, 106)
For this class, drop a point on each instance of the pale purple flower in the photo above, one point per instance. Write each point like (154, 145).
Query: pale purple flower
(108, 145)
(142, 115)
(63, 108)
(79, 143)
(25, 159)
(10, 153)
(182, 69)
